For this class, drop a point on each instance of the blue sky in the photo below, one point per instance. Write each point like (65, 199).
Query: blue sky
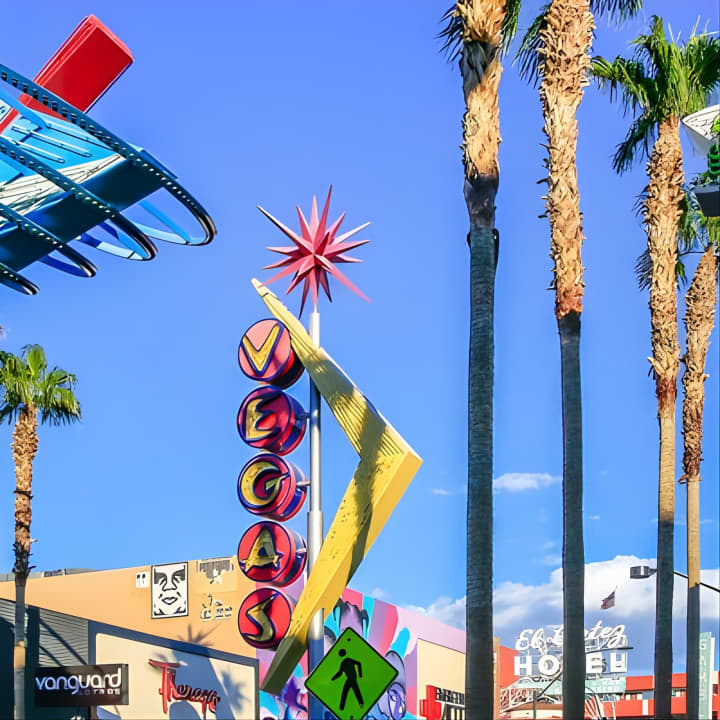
(251, 106)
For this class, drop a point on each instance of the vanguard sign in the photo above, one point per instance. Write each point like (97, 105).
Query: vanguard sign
(81, 685)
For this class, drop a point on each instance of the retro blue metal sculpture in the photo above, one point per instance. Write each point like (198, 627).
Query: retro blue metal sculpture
(68, 179)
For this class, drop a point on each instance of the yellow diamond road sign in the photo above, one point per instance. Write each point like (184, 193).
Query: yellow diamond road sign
(351, 678)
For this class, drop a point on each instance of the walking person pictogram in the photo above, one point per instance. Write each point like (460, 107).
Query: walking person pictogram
(352, 670)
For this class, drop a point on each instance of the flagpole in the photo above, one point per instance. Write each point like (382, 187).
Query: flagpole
(316, 639)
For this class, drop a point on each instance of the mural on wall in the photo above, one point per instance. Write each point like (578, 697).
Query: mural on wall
(382, 626)
(214, 609)
(169, 589)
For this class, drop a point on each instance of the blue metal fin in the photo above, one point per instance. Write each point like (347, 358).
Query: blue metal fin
(81, 266)
(15, 152)
(24, 110)
(16, 281)
(139, 158)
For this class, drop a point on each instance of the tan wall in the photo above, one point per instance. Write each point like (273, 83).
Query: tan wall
(111, 597)
(439, 666)
(234, 683)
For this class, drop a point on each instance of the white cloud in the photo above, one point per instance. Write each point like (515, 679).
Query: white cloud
(440, 491)
(446, 610)
(553, 560)
(549, 545)
(517, 482)
(378, 593)
(593, 517)
(518, 606)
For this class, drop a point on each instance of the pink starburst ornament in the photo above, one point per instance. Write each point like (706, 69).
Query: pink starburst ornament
(316, 253)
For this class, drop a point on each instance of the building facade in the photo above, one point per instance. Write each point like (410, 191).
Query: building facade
(163, 642)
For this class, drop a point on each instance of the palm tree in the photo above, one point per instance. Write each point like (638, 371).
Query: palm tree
(29, 389)
(660, 84)
(699, 320)
(556, 49)
(477, 32)
(695, 229)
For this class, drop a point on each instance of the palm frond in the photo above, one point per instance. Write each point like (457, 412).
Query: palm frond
(696, 233)
(650, 48)
(528, 55)
(640, 136)
(618, 10)
(701, 58)
(626, 78)
(643, 270)
(452, 33)
(36, 360)
(510, 22)
(26, 382)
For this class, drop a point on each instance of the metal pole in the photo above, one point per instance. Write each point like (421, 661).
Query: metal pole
(316, 639)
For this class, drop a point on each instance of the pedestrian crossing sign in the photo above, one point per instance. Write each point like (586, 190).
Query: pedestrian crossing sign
(351, 678)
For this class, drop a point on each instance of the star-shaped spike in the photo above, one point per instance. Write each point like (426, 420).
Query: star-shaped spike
(316, 252)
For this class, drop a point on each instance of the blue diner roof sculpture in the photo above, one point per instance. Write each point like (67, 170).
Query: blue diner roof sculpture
(64, 179)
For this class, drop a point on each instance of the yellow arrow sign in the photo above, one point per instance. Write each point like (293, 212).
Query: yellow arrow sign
(387, 465)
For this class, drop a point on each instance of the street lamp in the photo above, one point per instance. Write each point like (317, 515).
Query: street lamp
(642, 572)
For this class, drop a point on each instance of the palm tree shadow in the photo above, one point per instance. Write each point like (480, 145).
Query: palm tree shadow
(235, 695)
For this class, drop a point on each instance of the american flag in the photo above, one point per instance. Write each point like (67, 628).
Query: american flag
(608, 602)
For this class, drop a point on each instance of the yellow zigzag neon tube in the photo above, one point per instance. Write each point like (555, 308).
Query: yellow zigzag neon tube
(387, 465)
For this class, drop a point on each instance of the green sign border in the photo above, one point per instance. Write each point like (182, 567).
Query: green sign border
(344, 633)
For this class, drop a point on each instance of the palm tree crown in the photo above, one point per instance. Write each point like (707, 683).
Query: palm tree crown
(26, 383)
(528, 54)
(663, 79)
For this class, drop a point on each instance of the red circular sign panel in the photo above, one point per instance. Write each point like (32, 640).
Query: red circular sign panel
(269, 552)
(266, 354)
(264, 617)
(272, 487)
(270, 419)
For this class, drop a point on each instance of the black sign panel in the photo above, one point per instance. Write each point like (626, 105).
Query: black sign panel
(81, 685)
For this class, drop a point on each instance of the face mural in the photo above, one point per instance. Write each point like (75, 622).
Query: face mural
(169, 590)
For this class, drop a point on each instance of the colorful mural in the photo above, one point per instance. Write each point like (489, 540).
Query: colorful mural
(388, 629)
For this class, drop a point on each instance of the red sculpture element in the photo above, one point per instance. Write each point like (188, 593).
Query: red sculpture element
(270, 419)
(82, 69)
(170, 691)
(315, 254)
(272, 487)
(264, 618)
(266, 355)
(269, 552)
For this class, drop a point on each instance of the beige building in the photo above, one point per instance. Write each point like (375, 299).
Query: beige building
(163, 642)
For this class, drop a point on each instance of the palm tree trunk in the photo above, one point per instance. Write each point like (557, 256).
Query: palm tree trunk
(699, 321)
(481, 70)
(479, 686)
(24, 447)
(662, 212)
(566, 40)
(573, 544)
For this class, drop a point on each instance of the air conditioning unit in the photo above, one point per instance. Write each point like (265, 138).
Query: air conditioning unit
(53, 573)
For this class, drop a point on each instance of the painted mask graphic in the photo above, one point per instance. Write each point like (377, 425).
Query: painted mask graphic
(169, 590)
